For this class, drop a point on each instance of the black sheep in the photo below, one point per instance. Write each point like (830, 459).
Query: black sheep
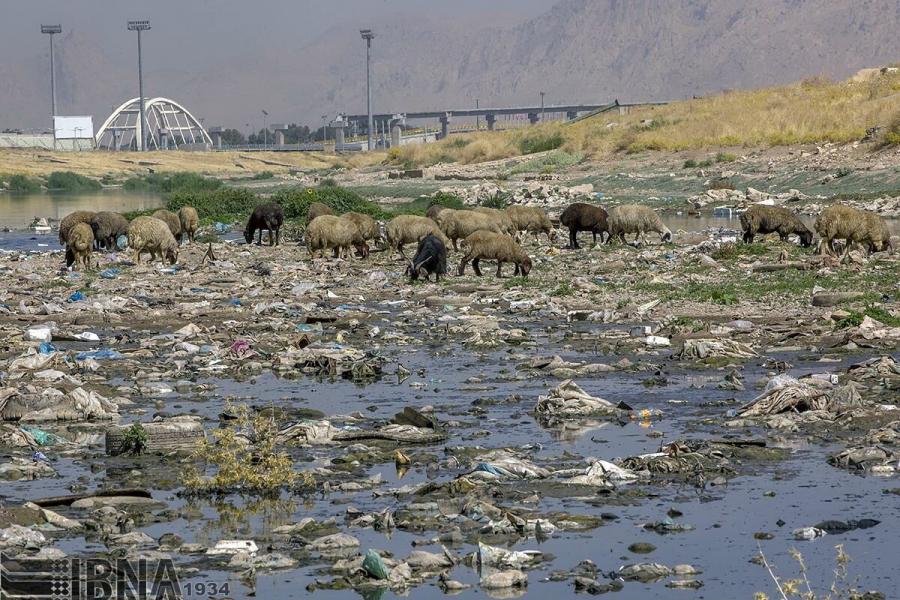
(265, 216)
(431, 255)
(584, 217)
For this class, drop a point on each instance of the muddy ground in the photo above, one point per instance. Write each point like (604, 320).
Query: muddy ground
(673, 487)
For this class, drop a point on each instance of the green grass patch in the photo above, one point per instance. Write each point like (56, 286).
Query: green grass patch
(731, 251)
(21, 184)
(521, 282)
(224, 204)
(171, 182)
(67, 181)
(551, 163)
(296, 202)
(725, 157)
(873, 312)
(420, 205)
(540, 142)
(563, 289)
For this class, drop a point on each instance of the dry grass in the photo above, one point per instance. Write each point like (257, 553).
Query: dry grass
(97, 164)
(812, 111)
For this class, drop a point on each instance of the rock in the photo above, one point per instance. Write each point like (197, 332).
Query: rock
(834, 298)
(644, 572)
(504, 579)
(641, 548)
(17, 536)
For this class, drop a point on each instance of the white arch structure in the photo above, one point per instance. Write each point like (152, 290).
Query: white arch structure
(170, 126)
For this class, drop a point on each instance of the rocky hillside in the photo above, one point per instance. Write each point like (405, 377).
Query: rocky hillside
(580, 50)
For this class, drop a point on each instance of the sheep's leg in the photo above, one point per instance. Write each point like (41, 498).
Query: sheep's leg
(748, 237)
(499, 269)
(462, 265)
(455, 247)
(573, 239)
(259, 240)
(476, 267)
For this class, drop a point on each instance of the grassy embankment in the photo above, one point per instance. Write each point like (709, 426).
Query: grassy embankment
(813, 111)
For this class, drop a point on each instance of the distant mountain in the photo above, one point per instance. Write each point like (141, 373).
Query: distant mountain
(579, 51)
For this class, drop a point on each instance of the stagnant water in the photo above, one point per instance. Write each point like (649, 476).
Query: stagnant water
(18, 210)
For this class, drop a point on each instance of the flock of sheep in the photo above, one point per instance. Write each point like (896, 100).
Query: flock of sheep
(487, 233)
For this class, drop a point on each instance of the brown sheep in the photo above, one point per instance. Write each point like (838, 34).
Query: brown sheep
(107, 227)
(190, 221)
(71, 220)
(170, 219)
(79, 245)
(408, 229)
(637, 219)
(494, 246)
(328, 232)
(368, 230)
(531, 219)
(149, 234)
(503, 220)
(317, 209)
(763, 219)
(460, 224)
(584, 217)
(434, 210)
(841, 222)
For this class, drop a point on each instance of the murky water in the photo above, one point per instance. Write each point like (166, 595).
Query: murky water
(17, 210)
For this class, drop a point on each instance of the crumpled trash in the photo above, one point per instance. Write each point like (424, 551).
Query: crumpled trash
(110, 273)
(87, 336)
(241, 349)
(221, 228)
(39, 456)
(17, 536)
(122, 242)
(602, 473)
(694, 349)
(41, 437)
(374, 565)
(77, 405)
(808, 533)
(502, 465)
(104, 354)
(42, 333)
(645, 572)
(233, 547)
(785, 394)
(76, 297)
(492, 556)
(46, 348)
(569, 399)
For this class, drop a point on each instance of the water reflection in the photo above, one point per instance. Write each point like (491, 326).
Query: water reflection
(18, 210)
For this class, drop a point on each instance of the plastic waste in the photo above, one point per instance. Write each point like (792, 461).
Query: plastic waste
(233, 547)
(170, 270)
(236, 302)
(104, 354)
(374, 565)
(122, 242)
(46, 348)
(221, 228)
(76, 297)
(43, 438)
(87, 336)
(110, 273)
(39, 334)
(39, 456)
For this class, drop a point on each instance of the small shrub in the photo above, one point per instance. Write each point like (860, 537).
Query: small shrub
(892, 135)
(245, 459)
(67, 181)
(725, 157)
(690, 164)
(135, 439)
(733, 250)
(169, 183)
(296, 201)
(855, 318)
(263, 175)
(420, 205)
(500, 200)
(721, 184)
(563, 289)
(22, 184)
(458, 142)
(540, 142)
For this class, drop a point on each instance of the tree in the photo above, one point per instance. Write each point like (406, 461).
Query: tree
(233, 137)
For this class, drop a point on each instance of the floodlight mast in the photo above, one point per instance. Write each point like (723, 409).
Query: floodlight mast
(368, 35)
(140, 26)
(51, 30)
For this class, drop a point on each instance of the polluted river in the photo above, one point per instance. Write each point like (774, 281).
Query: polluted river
(661, 420)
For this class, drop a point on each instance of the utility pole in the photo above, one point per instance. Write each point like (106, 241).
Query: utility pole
(542, 107)
(51, 30)
(265, 129)
(477, 117)
(368, 35)
(140, 26)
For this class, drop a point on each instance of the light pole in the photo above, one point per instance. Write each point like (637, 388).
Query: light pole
(265, 129)
(477, 117)
(52, 29)
(140, 26)
(324, 130)
(542, 107)
(369, 36)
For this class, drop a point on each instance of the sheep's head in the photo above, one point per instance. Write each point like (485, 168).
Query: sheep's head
(806, 238)
(248, 235)
(172, 255)
(666, 236)
(525, 266)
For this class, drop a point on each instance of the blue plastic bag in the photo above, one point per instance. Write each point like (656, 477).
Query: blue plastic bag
(46, 348)
(110, 273)
(76, 297)
(105, 354)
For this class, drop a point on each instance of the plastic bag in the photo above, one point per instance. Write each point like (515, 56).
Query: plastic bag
(374, 565)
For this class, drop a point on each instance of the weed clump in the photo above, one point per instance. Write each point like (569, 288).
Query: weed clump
(20, 184)
(245, 459)
(540, 142)
(67, 181)
(225, 204)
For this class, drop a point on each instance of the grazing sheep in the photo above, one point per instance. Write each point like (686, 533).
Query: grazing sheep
(433, 211)
(503, 220)
(763, 219)
(317, 209)
(841, 222)
(431, 257)
(70, 221)
(149, 234)
(584, 217)
(494, 246)
(460, 224)
(328, 232)
(636, 219)
(107, 227)
(531, 219)
(170, 219)
(79, 245)
(265, 216)
(190, 221)
(407, 229)
(367, 227)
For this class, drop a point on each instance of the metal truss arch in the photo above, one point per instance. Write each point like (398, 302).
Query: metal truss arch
(171, 126)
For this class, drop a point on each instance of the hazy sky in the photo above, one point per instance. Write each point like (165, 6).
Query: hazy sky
(191, 33)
